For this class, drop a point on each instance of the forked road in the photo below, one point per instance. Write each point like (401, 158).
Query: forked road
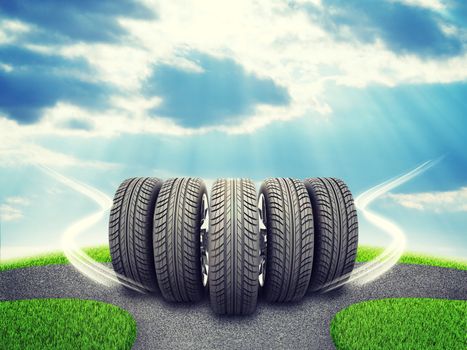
(302, 325)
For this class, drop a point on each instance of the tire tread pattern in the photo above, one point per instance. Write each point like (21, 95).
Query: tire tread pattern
(177, 220)
(290, 239)
(130, 230)
(233, 245)
(336, 231)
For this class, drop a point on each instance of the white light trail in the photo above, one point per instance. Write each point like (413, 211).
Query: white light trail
(77, 257)
(392, 253)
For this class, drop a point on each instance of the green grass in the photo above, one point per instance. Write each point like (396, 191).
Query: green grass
(65, 324)
(102, 254)
(405, 323)
(368, 253)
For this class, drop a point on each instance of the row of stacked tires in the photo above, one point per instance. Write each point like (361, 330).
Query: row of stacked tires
(291, 238)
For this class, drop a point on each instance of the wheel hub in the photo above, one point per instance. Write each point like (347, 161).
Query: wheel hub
(203, 237)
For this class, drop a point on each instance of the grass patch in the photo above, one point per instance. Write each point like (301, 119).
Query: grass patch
(65, 324)
(405, 323)
(366, 253)
(101, 254)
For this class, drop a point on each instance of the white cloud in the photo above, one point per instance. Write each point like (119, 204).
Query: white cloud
(31, 154)
(292, 52)
(21, 201)
(6, 67)
(429, 4)
(10, 213)
(123, 66)
(18, 147)
(438, 202)
(268, 38)
(9, 30)
(129, 116)
(12, 208)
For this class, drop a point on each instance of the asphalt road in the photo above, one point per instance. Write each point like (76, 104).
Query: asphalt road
(303, 325)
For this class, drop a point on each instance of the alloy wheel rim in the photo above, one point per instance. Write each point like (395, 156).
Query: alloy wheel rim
(203, 237)
(262, 240)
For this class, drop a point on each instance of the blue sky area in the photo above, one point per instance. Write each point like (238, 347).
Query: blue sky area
(361, 90)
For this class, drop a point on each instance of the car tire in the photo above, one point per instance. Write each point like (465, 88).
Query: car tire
(336, 232)
(233, 245)
(287, 215)
(130, 232)
(178, 217)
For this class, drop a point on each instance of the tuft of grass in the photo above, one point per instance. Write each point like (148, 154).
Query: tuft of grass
(65, 324)
(405, 323)
(100, 254)
(366, 253)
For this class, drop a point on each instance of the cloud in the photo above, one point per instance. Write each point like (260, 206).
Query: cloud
(404, 28)
(219, 92)
(438, 202)
(429, 4)
(22, 201)
(11, 208)
(11, 30)
(295, 57)
(19, 149)
(86, 20)
(300, 55)
(31, 154)
(37, 80)
(9, 213)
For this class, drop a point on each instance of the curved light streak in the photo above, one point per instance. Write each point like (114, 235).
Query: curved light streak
(388, 258)
(78, 258)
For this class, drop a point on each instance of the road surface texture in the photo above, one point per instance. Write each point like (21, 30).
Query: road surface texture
(303, 325)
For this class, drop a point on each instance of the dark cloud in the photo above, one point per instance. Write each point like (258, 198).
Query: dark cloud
(223, 93)
(36, 81)
(403, 28)
(84, 20)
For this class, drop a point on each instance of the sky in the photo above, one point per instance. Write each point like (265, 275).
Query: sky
(360, 90)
